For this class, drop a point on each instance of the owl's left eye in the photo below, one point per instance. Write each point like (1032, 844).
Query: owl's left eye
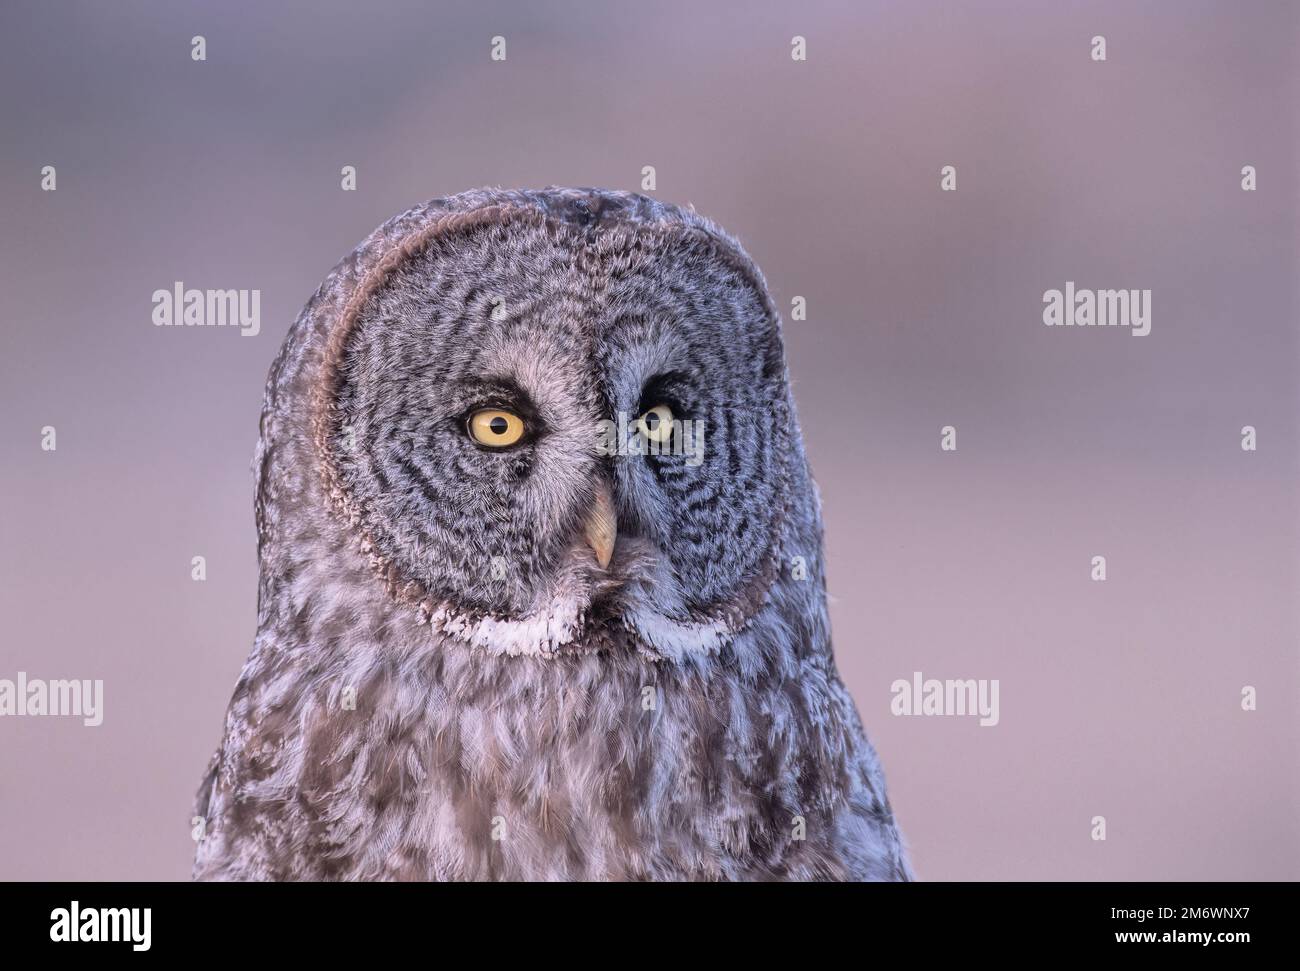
(495, 427)
(656, 424)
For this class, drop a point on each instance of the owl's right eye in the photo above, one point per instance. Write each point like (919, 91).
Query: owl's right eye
(495, 427)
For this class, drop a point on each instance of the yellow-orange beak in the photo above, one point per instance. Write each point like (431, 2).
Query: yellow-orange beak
(601, 528)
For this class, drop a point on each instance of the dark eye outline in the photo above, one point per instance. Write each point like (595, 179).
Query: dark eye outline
(659, 390)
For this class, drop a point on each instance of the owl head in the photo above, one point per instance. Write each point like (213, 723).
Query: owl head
(549, 421)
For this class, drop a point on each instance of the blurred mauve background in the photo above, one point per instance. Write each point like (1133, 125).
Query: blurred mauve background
(1119, 699)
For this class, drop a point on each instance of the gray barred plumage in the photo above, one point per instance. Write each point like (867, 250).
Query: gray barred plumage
(446, 684)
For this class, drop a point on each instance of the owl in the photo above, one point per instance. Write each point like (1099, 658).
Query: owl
(541, 592)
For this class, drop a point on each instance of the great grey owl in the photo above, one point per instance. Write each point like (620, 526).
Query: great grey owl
(541, 591)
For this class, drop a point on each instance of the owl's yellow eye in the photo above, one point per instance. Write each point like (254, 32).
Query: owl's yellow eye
(495, 428)
(656, 424)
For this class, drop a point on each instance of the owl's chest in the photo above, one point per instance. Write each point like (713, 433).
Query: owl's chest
(621, 787)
